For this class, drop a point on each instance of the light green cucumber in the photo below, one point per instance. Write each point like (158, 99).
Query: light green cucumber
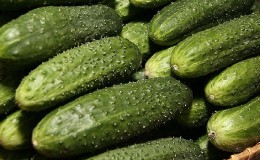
(218, 47)
(44, 32)
(16, 129)
(182, 18)
(149, 3)
(77, 71)
(138, 33)
(158, 65)
(163, 149)
(235, 84)
(237, 128)
(109, 116)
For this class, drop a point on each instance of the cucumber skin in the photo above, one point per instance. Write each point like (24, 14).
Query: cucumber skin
(77, 71)
(23, 40)
(236, 128)
(16, 129)
(235, 84)
(218, 47)
(108, 116)
(10, 5)
(149, 3)
(163, 149)
(181, 18)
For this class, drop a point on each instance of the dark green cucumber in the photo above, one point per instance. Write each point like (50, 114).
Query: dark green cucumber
(149, 3)
(158, 65)
(210, 151)
(77, 71)
(179, 19)
(162, 149)
(109, 116)
(16, 130)
(138, 33)
(44, 32)
(235, 84)
(14, 5)
(217, 47)
(236, 128)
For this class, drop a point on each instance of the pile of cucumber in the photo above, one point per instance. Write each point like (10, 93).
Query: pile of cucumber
(129, 79)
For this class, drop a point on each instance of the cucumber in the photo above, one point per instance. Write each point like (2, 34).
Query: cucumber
(158, 65)
(236, 128)
(149, 3)
(163, 149)
(77, 71)
(14, 5)
(16, 130)
(216, 48)
(108, 116)
(179, 19)
(44, 32)
(138, 33)
(235, 84)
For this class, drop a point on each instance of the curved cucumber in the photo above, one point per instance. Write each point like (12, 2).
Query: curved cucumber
(236, 84)
(217, 47)
(77, 71)
(180, 18)
(158, 65)
(236, 128)
(149, 3)
(109, 116)
(163, 149)
(16, 130)
(44, 32)
(14, 5)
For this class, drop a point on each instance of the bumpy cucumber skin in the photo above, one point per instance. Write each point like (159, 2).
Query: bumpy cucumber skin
(149, 3)
(236, 84)
(218, 47)
(236, 128)
(16, 130)
(138, 33)
(179, 18)
(44, 32)
(158, 65)
(10, 5)
(78, 71)
(163, 149)
(108, 116)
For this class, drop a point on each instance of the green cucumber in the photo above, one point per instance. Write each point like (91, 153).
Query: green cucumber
(44, 32)
(181, 18)
(108, 116)
(163, 149)
(149, 3)
(16, 130)
(235, 84)
(158, 65)
(236, 128)
(138, 33)
(14, 5)
(218, 47)
(78, 71)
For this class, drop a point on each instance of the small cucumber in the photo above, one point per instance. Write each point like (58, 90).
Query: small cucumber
(138, 33)
(236, 128)
(108, 116)
(16, 130)
(44, 32)
(14, 5)
(161, 149)
(149, 3)
(218, 47)
(179, 19)
(235, 84)
(158, 65)
(77, 71)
